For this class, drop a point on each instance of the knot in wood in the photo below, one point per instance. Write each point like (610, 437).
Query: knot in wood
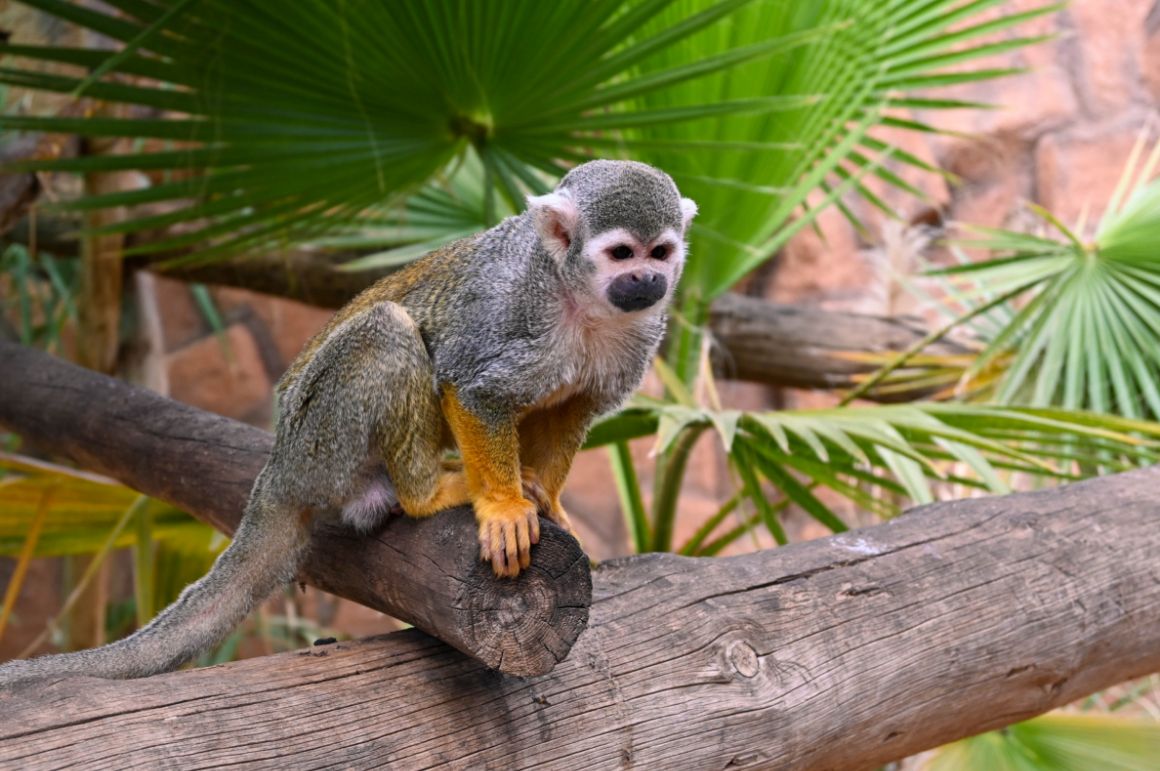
(743, 659)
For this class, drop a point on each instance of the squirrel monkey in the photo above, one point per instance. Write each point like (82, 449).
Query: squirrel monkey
(505, 345)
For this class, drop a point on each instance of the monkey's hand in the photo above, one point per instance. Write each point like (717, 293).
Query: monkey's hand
(507, 529)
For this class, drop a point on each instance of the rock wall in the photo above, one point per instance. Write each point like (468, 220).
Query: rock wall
(1060, 136)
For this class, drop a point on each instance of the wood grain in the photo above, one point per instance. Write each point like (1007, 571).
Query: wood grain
(807, 347)
(842, 653)
(426, 572)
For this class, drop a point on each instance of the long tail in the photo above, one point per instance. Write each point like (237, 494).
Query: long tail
(266, 552)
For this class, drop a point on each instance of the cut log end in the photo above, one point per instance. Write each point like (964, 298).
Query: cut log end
(528, 625)
(522, 626)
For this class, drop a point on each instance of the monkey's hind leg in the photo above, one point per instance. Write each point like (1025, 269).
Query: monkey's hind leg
(366, 400)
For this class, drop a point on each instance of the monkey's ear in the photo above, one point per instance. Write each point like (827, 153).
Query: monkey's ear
(556, 218)
(688, 211)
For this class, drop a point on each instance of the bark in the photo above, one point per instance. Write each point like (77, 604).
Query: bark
(841, 653)
(18, 190)
(807, 347)
(296, 274)
(426, 572)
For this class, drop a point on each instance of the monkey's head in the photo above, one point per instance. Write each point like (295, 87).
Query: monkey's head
(616, 229)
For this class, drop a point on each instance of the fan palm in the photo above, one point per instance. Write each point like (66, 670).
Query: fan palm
(1062, 320)
(287, 122)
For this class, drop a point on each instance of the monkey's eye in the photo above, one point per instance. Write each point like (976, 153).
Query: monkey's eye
(659, 252)
(621, 252)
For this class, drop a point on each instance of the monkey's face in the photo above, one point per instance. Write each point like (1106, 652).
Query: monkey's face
(616, 230)
(632, 274)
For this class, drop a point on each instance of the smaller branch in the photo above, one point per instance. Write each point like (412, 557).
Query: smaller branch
(424, 571)
(295, 274)
(19, 190)
(804, 347)
(756, 341)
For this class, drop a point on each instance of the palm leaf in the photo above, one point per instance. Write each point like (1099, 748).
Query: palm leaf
(306, 118)
(907, 451)
(83, 508)
(1058, 741)
(1078, 324)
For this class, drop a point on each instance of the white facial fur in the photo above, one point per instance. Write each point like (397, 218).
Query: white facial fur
(605, 252)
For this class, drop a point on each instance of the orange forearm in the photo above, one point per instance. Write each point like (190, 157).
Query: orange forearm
(490, 454)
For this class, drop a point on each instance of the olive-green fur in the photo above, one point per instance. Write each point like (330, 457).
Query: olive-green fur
(360, 420)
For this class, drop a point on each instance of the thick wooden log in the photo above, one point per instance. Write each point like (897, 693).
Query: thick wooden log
(841, 653)
(426, 572)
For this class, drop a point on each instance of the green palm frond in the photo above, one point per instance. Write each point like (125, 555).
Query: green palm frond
(876, 457)
(262, 123)
(1059, 741)
(295, 118)
(864, 75)
(83, 508)
(1063, 320)
(454, 205)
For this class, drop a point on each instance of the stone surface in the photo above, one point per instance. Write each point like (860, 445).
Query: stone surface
(1150, 57)
(225, 375)
(814, 267)
(1110, 38)
(592, 503)
(1078, 169)
(181, 321)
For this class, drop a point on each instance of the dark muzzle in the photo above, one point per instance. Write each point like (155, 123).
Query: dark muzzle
(637, 290)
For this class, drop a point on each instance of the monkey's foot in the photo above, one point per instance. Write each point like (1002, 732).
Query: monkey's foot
(534, 491)
(507, 530)
(557, 514)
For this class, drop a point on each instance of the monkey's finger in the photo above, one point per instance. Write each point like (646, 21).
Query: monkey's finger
(491, 543)
(512, 544)
(485, 542)
(524, 541)
(507, 549)
(498, 563)
(535, 529)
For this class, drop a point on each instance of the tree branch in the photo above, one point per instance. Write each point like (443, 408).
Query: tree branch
(845, 652)
(806, 347)
(426, 572)
(756, 341)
